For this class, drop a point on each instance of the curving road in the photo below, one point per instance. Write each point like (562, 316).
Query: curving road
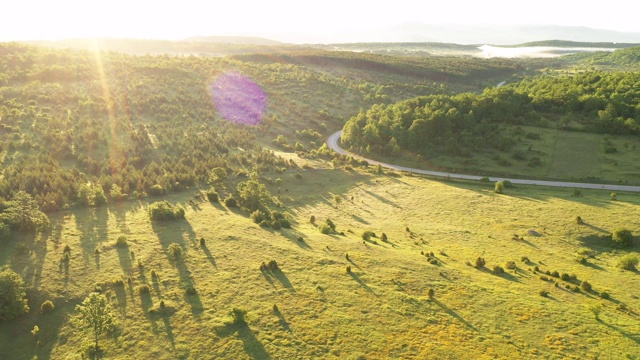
(332, 142)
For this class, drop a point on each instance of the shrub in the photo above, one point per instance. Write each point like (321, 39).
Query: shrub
(555, 274)
(156, 190)
(348, 269)
(628, 262)
(273, 266)
(498, 269)
(284, 223)
(163, 210)
(175, 250)
(543, 293)
(614, 196)
(565, 277)
(367, 235)
(577, 192)
(331, 224)
(511, 265)
(121, 241)
(212, 195)
(231, 202)
(507, 183)
(383, 237)
(300, 239)
(524, 259)
(499, 187)
(604, 295)
(258, 216)
(430, 293)
(312, 219)
(275, 224)
(153, 274)
(47, 307)
(67, 249)
(143, 289)
(579, 220)
(480, 263)
(622, 237)
(202, 242)
(585, 286)
(325, 229)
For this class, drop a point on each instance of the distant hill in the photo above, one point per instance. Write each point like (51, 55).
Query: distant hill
(242, 40)
(486, 34)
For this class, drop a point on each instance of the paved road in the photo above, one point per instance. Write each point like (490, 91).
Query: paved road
(332, 142)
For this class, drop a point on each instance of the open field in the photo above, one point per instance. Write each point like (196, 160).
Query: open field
(379, 310)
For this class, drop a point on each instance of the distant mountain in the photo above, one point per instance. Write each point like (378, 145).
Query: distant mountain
(502, 35)
(241, 40)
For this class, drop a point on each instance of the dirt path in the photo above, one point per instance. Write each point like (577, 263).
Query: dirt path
(332, 142)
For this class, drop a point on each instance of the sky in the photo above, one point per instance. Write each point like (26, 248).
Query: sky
(145, 19)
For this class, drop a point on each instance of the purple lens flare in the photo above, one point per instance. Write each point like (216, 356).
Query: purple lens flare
(238, 99)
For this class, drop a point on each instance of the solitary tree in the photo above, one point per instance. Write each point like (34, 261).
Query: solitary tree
(96, 314)
(622, 237)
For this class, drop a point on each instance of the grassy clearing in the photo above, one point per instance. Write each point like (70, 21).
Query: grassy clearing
(563, 155)
(379, 310)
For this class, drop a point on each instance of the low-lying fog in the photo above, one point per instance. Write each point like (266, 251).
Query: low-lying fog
(534, 51)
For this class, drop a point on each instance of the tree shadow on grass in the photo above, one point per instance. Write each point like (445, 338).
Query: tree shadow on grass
(146, 302)
(454, 314)
(593, 227)
(283, 279)
(124, 255)
(362, 283)
(209, 256)
(121, 297)
(354, 264)
(268, 276)
(293, 236)
(282, 321)
(633, 337)
(505, 275)
(252, 346)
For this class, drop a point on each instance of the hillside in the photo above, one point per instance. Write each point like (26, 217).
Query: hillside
(196, 197)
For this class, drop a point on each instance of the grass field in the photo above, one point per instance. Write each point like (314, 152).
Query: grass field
(379, 310)
(564, 155)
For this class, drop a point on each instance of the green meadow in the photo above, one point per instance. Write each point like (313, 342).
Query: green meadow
(381, 309)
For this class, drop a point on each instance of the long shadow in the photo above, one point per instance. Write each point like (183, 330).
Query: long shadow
(146, 302)
(209, 256)
(252, 346)
(359, 219)
(125, 260)
(507, 276)
(362, 283)
(594, 266)
(454, 314)
(527, 242)
(293, 236)
(380, 198)
(282, 321)
(595, 228)
(267, 275)
(354, 264)
(283, 279)
(635, 338)
(121, 297)
(92, 224)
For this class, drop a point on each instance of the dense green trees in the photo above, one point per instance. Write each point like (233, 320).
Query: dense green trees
(460, 124)
(13, 298)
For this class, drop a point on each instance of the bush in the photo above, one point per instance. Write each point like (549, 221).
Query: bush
(231, 202)
(156, 190)
(585, 286)
(628, 262)
(480, 263)
(284, 223)
(275, 225)
(238, 316)
(383, 237)
(163, 210)
(511, 265)
(498, 269)
(331, 224)
(212, 195)
(622, 237)
(507, 184)
(190, 290)
(175, 250)
(312, 219)
(579, 220)
(121, 241)
(544, 293)
(367, 235)
(47, 307)
(430, 293)
(143, 289)
(604, 295)
(13, 297)
(258, 216)
(499, 187)
(202, 242)
(325, 229)
(565, 277)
